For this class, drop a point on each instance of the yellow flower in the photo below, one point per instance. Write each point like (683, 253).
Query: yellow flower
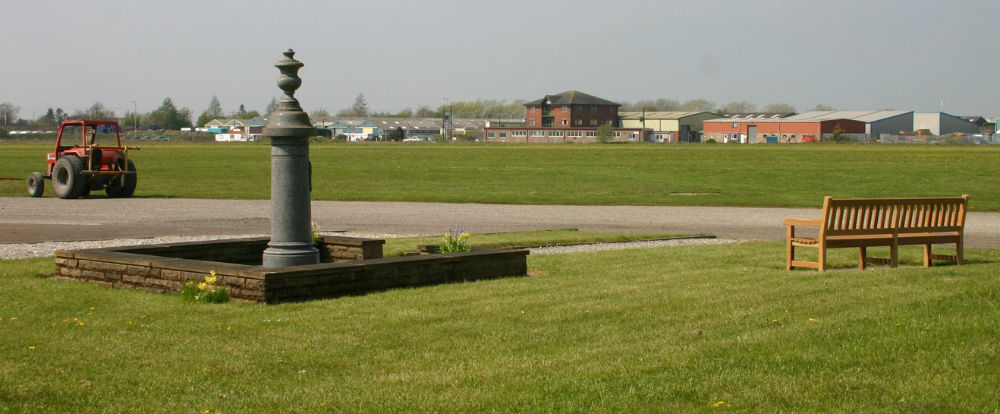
(720, 404)
(202, 286)
(812, 319)
(31, 348)
(211, 279)
(13, 318)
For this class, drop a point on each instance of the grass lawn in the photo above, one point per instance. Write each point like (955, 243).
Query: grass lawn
(398, 246)
(703, 174)
(679, 329)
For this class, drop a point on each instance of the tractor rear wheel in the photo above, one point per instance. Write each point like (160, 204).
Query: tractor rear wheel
(66, 178)
(122, 185)
(36, 184)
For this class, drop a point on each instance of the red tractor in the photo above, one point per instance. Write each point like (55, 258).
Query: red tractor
(98, 161)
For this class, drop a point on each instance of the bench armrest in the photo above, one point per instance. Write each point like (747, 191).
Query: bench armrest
(791, 222)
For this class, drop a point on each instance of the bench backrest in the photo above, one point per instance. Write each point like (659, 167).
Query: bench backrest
(860, 216)
(921, 215)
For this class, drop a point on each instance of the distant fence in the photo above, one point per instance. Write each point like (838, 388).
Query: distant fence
(983, 139)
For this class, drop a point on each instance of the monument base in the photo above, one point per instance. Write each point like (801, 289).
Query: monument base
(279, 254)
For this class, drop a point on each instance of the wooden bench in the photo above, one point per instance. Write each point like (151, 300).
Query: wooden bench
(891, 222)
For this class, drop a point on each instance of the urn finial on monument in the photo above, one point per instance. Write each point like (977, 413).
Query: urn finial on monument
(289, 120)
(289, 129)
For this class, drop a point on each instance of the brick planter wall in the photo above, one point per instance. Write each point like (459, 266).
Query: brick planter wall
(165, 268)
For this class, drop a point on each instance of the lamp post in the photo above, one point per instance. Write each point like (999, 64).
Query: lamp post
(289, 130)
(135, 118)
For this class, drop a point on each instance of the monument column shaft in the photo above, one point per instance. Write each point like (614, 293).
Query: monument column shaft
(291, 218)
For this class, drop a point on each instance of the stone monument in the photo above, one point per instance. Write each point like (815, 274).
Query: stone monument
(289, 129)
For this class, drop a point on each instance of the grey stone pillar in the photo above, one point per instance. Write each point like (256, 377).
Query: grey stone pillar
(291, 217)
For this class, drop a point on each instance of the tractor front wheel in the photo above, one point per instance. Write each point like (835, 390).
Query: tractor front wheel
(66, 178)
(36, 184)
(122, 185)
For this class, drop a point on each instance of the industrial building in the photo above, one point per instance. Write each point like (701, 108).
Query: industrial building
(570, 116)
(778, 130)
(940, 123)
(668, 126)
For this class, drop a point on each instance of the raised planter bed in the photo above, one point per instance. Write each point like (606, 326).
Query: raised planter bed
(351, 266)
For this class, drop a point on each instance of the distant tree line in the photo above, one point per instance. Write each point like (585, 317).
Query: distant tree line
(168, 116)
(698, 105)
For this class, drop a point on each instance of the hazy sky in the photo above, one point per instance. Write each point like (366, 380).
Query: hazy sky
(871, 54)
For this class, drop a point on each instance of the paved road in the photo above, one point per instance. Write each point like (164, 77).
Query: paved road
(30, 220)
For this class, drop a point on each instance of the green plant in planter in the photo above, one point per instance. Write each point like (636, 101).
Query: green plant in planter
(316, 237)
(455, 241)
(205, 291)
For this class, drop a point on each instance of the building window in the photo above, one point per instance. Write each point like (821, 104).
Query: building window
(593, 108)
(725, 136)
(564, 122)
(565, 108)
(538, 133)
(490, 135)
(555, 133)
(736, 125)
(577, 122)
(593, 122)
(503, 135)
(591, 133)
(519, 133)
(531, 122)
(531, 109)
(616, 134)
(574, 133)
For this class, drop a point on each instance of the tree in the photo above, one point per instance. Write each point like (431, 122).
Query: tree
(604, 133)
(423, 111)
(8, 112)
(779, 107)
(48, 119)
(698, 105)
(396, 134)
(204, 119)
(130, 120)
(271, 107)
(241, 113)
(738, 107)
(214, 110)
(360, 107)
(167, 116)
(821, 107)
(319, 115)
(95, 111)
(252, 114)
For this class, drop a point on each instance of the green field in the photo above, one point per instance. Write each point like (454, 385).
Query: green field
(710, 175)
(679, 329)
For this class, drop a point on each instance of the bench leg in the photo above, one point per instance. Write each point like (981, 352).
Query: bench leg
(822, 258)
(862, 256)
(790, 254)
(958, 251)
(893, 255)
(927, 255)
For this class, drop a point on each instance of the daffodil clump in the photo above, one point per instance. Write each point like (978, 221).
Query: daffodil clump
(205, 291)
(455, 241)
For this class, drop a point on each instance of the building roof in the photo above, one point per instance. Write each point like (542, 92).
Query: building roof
(863, 116)
(760, 115)
(636, 115)
(571, 98)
